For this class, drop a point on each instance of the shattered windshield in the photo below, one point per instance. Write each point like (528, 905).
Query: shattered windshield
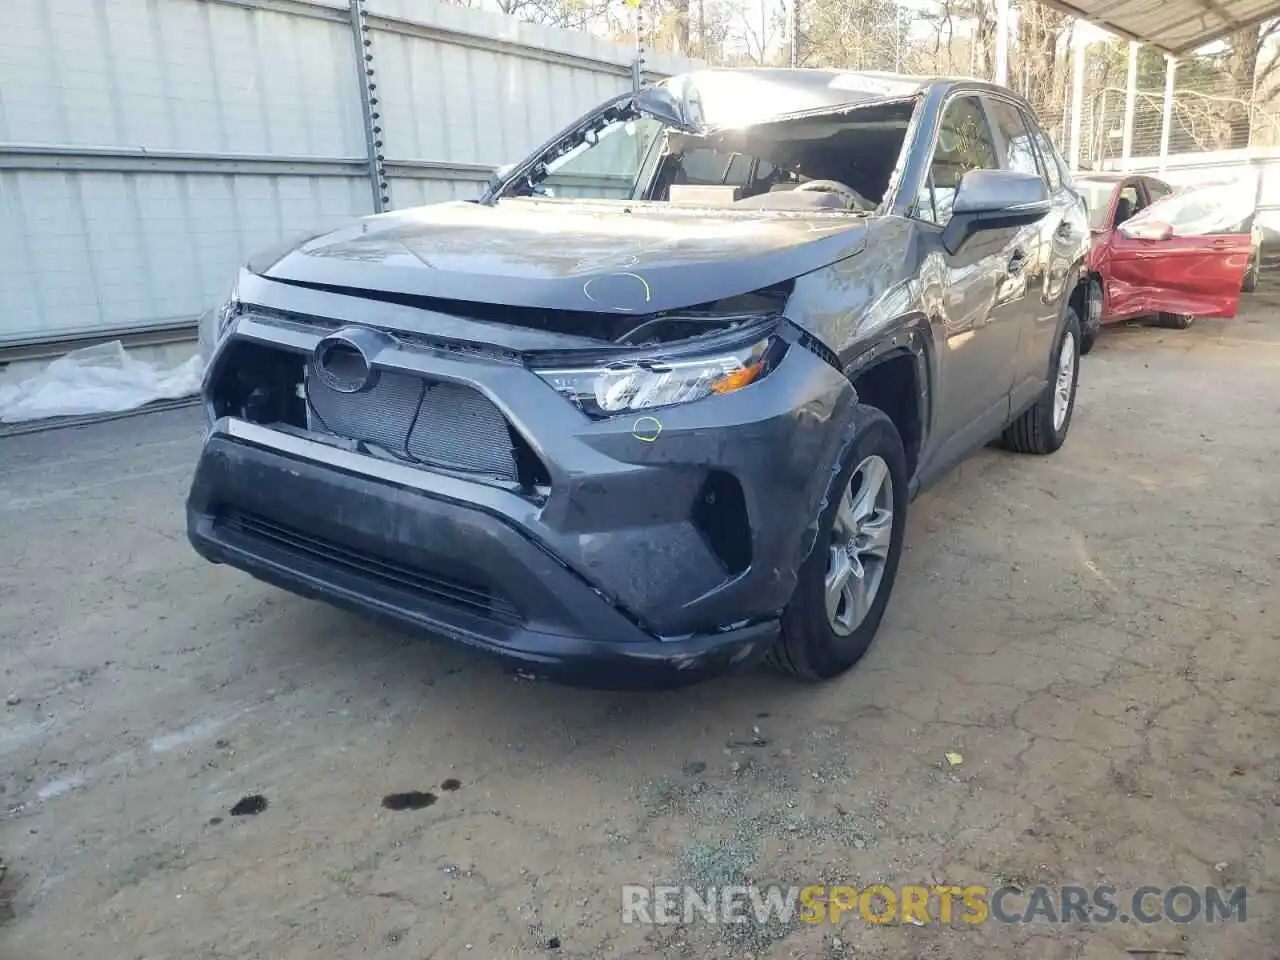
(733, 99)
(841, 160)
(1203, 210)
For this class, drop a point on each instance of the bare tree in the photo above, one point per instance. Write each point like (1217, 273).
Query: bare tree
(758, 30)
(1246, 79)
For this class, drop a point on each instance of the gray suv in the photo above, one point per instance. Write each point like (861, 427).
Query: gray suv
(655, 404)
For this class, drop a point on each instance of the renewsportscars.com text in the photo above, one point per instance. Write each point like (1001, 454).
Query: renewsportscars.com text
(936, 903)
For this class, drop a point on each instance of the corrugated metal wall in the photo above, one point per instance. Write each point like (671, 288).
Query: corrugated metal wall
(147, 147)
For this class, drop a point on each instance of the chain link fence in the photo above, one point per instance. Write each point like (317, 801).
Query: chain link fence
(1212, 109)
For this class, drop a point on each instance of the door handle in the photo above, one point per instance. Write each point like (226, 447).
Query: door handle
(1017, 262)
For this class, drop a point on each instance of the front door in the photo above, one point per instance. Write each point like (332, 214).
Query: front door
(1128, 200)
(974, 285)
(1176, 255)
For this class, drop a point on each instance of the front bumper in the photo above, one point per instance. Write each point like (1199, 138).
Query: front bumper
(609, 579)
(429, 563)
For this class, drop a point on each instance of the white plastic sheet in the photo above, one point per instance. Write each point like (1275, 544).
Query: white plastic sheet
(98, 379)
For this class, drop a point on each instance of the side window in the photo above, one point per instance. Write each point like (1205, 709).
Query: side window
(1156, 190)
(1127, 204)
(609, 167)
(1054, 165)
(1019, 154)
(964, 144)
(711, 167)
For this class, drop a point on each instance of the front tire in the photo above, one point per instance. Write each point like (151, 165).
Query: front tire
(1175, 321)
(844, 584)
(1042, 429)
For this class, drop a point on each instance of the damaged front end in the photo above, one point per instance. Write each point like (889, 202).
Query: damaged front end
(586, 435)
(626, 506)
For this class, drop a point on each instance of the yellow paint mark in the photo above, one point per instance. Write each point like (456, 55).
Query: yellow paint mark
(646, 429)
(648, 291)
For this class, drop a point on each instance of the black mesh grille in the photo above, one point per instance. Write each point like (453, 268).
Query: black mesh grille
(470, 597)
(433, 422)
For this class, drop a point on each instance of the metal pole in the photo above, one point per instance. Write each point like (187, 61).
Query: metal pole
(897, 40)
(1130, 103)
(1253, 99)
(793, 14)
(1098, 135)
(1002, 42)
(637, 68)
(1166, 127)
(1077, 96)
(361, 37)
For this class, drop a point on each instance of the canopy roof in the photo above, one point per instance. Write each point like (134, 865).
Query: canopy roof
(1174, 26)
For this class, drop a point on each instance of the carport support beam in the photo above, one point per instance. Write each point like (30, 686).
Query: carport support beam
(1002, 42)
(1166, 126)
(1077, 94)
(1130, 103)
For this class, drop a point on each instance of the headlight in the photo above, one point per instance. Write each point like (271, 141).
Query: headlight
(215, 322)
(226, 313)
(644, 384)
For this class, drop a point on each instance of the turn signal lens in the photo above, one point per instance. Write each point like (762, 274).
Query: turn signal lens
(646, 384)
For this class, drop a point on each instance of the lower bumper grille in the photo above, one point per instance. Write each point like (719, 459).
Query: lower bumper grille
(462, 595)
(431, 422)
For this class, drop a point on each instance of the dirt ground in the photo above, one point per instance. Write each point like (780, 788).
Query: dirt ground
(1093, 633)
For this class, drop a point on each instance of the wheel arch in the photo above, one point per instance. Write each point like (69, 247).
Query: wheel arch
(1088, 309)
(896, 373)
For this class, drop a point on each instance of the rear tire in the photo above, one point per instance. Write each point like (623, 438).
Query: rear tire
(1091, 324)
(857, 566)
(1251, 272)
(1087, 340)
(1175, 321)
(1042, 429)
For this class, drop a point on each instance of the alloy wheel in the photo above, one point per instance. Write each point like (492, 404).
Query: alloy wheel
(860, 540)
(1065, 380)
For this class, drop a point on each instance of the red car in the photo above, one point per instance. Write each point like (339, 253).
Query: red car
(1175, 254)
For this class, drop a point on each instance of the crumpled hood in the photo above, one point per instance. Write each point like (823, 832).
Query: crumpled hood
(597, 256)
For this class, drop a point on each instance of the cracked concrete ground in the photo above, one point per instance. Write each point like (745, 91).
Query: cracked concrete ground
(1094, 633)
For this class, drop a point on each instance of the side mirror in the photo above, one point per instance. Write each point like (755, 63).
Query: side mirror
(1146, 230)
(1002, 192)
(991, 199)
